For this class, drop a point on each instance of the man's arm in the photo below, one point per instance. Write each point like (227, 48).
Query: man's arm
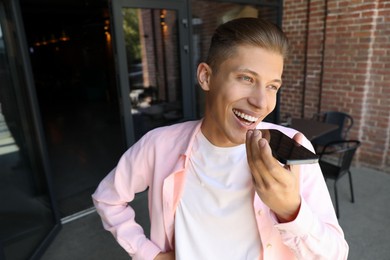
(315, 232)
(111, 201)
(307, 225)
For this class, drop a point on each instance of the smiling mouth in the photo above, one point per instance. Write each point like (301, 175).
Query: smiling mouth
(245, 118)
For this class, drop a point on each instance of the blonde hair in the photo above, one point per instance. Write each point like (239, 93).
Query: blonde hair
(245, 31)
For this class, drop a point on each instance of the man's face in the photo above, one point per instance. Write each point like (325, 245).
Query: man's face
(240, 94)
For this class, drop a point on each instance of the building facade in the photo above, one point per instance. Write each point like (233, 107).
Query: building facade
(340, 61)
(89, 78)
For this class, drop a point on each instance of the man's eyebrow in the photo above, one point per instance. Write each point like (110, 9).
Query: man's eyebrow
(277, 81)
(254, 73)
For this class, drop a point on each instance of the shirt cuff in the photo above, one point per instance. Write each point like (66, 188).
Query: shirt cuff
(148, 251)
(301, 225)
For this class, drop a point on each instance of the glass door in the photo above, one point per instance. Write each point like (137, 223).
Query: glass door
(28, 216)
(75, 85)
(151, 40)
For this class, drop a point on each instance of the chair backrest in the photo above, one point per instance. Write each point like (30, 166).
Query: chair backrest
(342, 151)
(343, 120)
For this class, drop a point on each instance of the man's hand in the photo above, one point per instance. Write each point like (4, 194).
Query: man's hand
(165, 256)
(276, 185)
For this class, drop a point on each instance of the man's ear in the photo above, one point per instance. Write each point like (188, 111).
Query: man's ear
(203, 76)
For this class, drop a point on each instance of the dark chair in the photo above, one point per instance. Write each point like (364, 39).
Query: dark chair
(343, 120)
(335, 161)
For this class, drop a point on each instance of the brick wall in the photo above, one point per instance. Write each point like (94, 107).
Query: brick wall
(294, 24)
(350, 73)
(375, 123)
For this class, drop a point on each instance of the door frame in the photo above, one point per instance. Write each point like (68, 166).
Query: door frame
(22, 77)
(187, 79)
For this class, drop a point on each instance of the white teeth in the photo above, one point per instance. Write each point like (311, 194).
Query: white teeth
(245, 116)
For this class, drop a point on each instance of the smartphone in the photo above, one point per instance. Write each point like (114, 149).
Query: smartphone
(286, 150)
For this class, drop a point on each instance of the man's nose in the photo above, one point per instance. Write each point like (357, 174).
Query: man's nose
(258, 98)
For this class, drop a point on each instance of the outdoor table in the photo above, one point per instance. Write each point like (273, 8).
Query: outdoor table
(311, 128)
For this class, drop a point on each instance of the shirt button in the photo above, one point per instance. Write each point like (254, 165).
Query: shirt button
(259, 212)
(269, 245)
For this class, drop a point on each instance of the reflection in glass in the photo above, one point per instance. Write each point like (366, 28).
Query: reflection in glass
(77, 96)
(26, 216)
(151, 38)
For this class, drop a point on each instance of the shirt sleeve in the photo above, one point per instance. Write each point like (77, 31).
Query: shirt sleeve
(111, 200)
(315, 233)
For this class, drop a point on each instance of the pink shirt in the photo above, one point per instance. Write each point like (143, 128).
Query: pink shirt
(159, 161)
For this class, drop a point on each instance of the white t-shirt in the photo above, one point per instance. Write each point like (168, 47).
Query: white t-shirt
(215, 218)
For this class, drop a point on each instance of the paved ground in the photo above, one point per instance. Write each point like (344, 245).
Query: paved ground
(366, 224)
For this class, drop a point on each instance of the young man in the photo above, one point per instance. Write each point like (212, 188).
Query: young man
(215, 190)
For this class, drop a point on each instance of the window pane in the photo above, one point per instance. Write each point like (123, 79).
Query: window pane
(151, 38)
(74, 76)
(26, 215)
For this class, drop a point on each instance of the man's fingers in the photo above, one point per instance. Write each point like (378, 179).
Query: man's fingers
(298, 137)
(260, 158)
(253, 155)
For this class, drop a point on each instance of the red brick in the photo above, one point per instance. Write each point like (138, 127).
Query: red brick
(350, 73)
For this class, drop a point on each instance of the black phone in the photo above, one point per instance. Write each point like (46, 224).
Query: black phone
(286, 150)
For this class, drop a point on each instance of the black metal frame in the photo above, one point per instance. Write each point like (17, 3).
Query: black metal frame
(343, 151)
(121, 64)
(21, 73)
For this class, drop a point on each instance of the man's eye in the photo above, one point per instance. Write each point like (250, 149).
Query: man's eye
(274, 87)
(247, 78)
